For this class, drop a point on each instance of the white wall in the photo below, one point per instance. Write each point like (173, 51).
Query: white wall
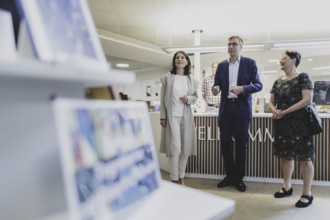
(144, 78)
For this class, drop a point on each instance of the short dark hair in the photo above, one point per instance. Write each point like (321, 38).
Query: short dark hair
(240, 39)
(186, 68)
(294, 55)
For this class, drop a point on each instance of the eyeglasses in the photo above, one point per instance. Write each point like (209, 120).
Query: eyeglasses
(234, 44)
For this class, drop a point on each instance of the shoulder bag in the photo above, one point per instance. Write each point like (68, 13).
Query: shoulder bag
(314, 120)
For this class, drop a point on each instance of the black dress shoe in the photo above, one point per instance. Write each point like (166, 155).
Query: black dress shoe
(284, 193)
(301, 204)
(225, 182)
(240, 186)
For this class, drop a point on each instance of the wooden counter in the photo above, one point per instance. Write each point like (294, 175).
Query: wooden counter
(261, 164)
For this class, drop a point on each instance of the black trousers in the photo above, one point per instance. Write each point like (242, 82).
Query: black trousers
(234, 127)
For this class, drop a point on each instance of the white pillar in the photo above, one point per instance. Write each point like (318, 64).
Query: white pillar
(197, 55)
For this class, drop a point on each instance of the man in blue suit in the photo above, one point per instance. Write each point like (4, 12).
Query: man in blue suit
(237, 78)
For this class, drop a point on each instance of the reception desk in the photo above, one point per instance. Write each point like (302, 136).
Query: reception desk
(261, 164)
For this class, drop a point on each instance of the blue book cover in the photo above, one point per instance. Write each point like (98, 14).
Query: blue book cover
(108, 157)
(61, 30)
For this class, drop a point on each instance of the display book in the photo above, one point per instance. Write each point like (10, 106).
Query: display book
(102, 92)
(7, 42)
(63, 31)
(110, 166)
(107, 156)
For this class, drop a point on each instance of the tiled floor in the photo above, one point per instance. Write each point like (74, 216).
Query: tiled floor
(258, 201)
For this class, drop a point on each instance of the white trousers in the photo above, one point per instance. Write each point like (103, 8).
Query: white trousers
(178, 158)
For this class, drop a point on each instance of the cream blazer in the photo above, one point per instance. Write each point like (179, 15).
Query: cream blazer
(188, 137)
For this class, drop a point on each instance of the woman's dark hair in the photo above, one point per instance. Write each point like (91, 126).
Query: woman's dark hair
(186, 68)
(294, 54)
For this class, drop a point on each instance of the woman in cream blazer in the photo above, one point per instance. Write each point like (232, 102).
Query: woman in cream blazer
(178, 93)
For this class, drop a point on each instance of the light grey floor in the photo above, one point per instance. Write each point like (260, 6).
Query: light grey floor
(258, 201)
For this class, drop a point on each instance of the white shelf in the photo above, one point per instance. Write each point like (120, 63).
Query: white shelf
(30, 69)
(197, 205)
(29, 145)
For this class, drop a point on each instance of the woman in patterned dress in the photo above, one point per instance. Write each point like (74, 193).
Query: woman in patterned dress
(290, 94)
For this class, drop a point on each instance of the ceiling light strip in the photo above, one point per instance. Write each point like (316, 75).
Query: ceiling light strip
(271, 45)
(210, 48)
(321, 68)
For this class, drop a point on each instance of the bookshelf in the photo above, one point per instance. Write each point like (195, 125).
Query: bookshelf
(31, 179)
(29, 69)
(32, 184)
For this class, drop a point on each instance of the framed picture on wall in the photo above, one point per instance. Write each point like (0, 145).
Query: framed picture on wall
(321, 94)
(63, 31)
(150, 90)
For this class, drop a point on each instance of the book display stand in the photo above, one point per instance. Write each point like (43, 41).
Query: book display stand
(111, 170)
(33, 186)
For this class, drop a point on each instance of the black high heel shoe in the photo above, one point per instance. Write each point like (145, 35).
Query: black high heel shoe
(285, 193)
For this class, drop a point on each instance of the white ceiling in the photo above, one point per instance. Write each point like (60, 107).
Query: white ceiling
(136, 30)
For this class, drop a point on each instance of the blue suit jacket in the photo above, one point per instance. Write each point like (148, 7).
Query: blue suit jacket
(248, 77)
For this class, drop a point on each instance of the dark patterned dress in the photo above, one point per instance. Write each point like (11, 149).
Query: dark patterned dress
(292, 140)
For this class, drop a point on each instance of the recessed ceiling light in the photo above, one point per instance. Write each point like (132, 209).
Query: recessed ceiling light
(122, 65)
